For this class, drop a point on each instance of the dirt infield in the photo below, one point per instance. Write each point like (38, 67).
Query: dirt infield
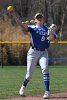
(56, 96)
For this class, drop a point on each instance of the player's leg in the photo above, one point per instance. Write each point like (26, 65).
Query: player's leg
(43, 61)
(32, 59)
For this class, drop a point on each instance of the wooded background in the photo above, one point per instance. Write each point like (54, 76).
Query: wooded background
(55, 11)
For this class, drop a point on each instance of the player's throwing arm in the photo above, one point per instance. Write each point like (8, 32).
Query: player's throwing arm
(11, 11)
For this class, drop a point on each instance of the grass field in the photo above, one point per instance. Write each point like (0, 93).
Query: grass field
(11, 79)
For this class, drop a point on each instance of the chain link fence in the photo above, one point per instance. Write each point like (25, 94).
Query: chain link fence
(15, 54)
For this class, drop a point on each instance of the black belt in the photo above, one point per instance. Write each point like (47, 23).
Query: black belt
(38, 49)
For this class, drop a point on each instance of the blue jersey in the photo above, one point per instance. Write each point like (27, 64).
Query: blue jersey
(39, 37)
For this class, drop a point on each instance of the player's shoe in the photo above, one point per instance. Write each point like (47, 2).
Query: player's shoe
(22, 90)
(46, 95)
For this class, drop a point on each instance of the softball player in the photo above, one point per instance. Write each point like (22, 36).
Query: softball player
(38, 52)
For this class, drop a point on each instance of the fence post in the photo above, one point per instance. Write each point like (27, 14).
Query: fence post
(2, 55)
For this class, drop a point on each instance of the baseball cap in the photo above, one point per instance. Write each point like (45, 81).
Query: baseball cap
(38, 14)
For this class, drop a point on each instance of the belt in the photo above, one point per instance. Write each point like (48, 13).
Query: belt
(38, 49)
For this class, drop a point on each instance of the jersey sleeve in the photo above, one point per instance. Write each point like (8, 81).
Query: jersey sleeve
(30, 28)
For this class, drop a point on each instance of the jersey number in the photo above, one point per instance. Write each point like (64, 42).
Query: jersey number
(43, 38)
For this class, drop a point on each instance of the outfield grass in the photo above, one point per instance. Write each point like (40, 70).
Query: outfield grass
(11, 79)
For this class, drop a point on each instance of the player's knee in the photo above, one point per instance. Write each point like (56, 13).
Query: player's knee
(45, 71)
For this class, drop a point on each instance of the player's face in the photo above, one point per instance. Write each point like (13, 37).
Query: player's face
(39, 19)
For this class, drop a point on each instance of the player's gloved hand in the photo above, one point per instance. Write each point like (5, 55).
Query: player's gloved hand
(52, 32)
(53, 28)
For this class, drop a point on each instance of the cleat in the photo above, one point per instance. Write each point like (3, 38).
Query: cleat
(46, 95)
(22, 91)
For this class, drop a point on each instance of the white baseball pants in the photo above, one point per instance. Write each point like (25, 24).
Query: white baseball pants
(33, 57)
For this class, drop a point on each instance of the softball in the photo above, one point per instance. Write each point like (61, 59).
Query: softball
(10, 8)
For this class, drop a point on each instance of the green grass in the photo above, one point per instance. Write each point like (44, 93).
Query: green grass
(11, 79)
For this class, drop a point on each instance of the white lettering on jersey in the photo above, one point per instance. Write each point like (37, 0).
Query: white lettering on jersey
(41, 32)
